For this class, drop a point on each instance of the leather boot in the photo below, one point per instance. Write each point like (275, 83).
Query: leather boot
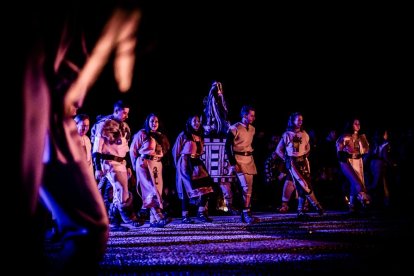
(314, 202)
(247, 217)
(158, 224)
(115, 219)
(301, 212)
(284, 208)
(127, 214)
(231, 211)
(202, 216)
(157, 218)
(364, 200)
(106, 191)
(352, 205)
(187, 220)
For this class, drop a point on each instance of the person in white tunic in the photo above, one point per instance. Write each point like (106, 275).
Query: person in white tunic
(239, 151)
(110, 148)
(146, 151)
(82, 125)
(294, 148)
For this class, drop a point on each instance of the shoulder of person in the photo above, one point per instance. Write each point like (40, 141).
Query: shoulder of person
(238, 125)
(233, 128)
(137, 134)
(125, 124)
(99, 124)
(181, 134)
(343, 136)
(142, 132)
(102, 118)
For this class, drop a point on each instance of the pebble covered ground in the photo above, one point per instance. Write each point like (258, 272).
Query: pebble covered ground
(278, 243)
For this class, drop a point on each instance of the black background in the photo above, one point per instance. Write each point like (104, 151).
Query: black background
(328, 62)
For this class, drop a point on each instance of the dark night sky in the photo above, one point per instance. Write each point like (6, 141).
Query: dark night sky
(327, 63)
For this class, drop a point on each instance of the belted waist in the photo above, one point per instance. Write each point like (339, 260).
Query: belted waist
(244, 153)
(298, 158)
(150, 157)
(112, 157)
(355, 156)
(193, 155)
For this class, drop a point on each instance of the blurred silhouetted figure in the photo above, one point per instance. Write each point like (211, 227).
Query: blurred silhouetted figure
(52, 79)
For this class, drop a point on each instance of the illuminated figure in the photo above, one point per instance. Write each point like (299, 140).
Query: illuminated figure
(192, 178)
(294, 148)
(351, 147)
(147, 149)
(240, 153)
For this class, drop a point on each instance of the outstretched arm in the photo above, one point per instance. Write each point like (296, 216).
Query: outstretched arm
(119, 35)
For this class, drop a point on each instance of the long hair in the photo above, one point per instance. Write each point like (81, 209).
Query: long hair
(291, 121)
(349, 126)
(189, 130)
(146, 125)
(157, 135)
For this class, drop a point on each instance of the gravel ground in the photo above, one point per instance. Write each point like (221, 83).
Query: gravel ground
(279, 243)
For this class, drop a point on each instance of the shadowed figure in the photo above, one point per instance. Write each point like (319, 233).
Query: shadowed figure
(50, 160)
